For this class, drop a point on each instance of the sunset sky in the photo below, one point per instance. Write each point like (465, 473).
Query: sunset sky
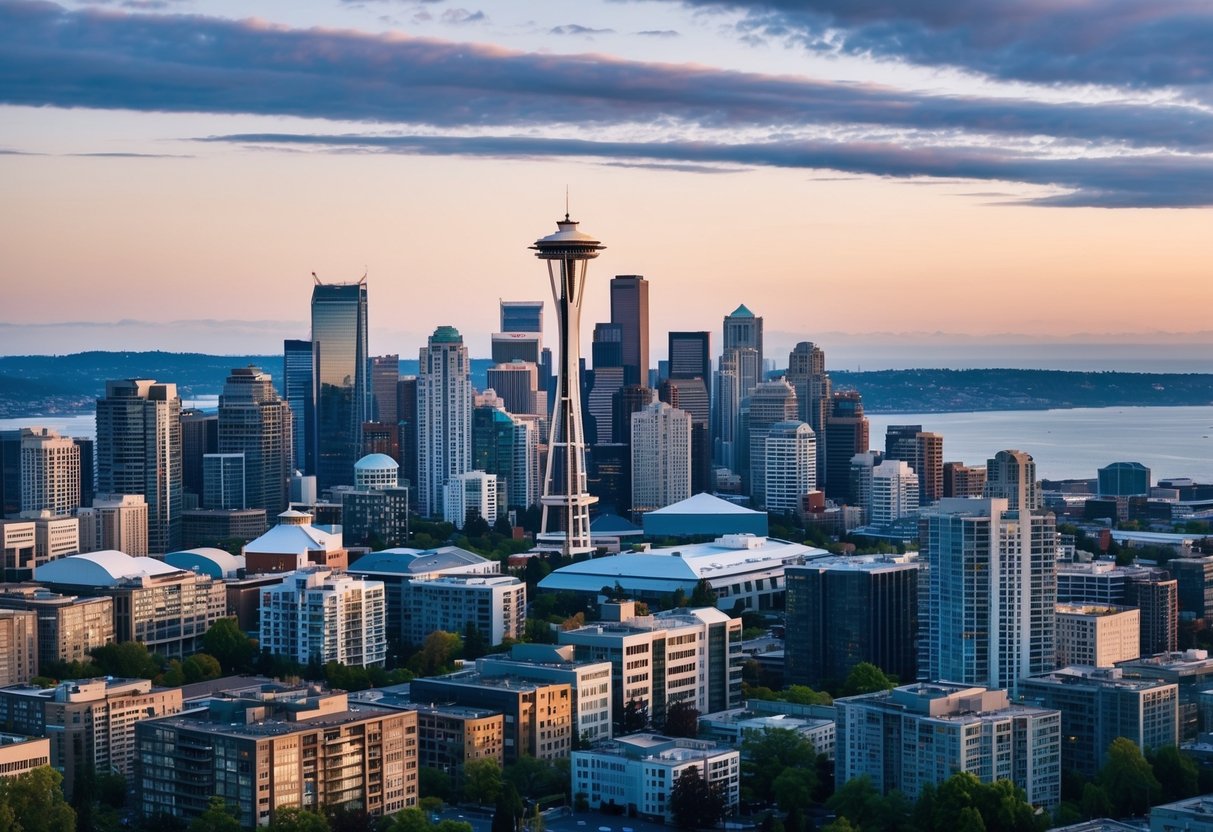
(172, 171)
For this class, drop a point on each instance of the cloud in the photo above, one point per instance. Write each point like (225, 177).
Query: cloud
(578, 29)
(659, 33)
(460, 17)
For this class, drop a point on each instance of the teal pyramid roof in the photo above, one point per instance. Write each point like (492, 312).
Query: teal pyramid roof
(742, 312)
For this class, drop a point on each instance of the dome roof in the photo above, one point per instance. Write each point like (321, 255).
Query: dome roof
(376, 462)
(105, 568)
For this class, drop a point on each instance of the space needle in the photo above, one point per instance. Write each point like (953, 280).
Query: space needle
(566, 503)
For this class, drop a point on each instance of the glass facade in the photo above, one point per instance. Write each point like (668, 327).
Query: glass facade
(340, 382)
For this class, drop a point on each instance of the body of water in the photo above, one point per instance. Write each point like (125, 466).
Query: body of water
(1171, 441)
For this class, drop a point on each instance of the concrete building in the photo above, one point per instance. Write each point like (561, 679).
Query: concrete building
(1153, 591)
(630, 310)
(114, 521)
(90, 722)
(685, 655)
(19, 754)
(791, 466)
(293, 544)
(742, 569)
(988, 609)
(846, 435)
(735, 726)
(18, 646)
(1098, 705)
(637, 773)
(166, 608)
(517, 382)
(894, 493)
(922, 734)
(508, 446)
(538, 715)
(271, 747)
(317, 614)
(808, 377)
(661, 457)
(50, 472)
(495, 605)
(589, 681)
(18, 541)
(375, 516)
(444, 418)
(846, 610)
(471, 491)
(139, 452)
(68, 626)
(771, 403)
(1097, 636)
(376, 472)
(54, 537)
(255, 422)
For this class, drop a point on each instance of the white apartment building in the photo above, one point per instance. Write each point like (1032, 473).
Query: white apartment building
(1097, 635)
(661, 456)
(921, 734)
(444, 418)
(637, 773)
(791, 466)
(894, 492)
(470, 490)
(494, 604)
(329, 616)
(50, 472)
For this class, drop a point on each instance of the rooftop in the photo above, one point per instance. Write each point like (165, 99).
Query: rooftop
(404, 561)
(704, 503)
(376, 462)
(293, 537)
(108, 567)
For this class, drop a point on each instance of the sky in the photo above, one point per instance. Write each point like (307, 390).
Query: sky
(952, 181)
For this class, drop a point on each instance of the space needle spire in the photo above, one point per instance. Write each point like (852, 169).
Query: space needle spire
(566, 503)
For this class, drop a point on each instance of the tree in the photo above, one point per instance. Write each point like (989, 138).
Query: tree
(508, 810)
(839, 824)
(34, 802)
(481, 781)
(200, 667)
(230, 645)
(794, 787)
(475, 644)
(474, 525)
(703, 595)
(437, 653)
(694, 802)
(805, 695)
(635, 717)
(216, 817)
(681, 720)
(1095, 803)
(434, 782)
(765, 756)
(535, 779)
(1127, 779)
(502, 525)
(126, 660)
(866, 677)
(1176, 774)
(295, 819)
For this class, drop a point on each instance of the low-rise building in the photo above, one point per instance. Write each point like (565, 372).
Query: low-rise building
(921, 734)
(325, 616)
(17, 543)
(114, 522)
(293, 544)
(69, 626)
(494, 604)
(735, 726)
(1194, 814)
(370, 514)
(1191, 671)
(19, 754)
(270, 747)
(1097, 635)
(209, 527)
(451, 736)
(637, 773)
(1098, 705)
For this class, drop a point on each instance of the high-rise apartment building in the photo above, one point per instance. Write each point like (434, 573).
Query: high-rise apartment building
(50, 472)
(630, 309)
(989, 609)
(474, 492)
(114, 521)
(923, 451)
(495, 605)
(847, 610)
(894, 492)
(661, 457)
(139, 452)
(297, 383)
(960, 480)
(255, 422)
(444, 417)
(1011, 476)
(770, 403)
(199, 437)
(791, 466)
(846, 435)
(316, 614)
(340, 387)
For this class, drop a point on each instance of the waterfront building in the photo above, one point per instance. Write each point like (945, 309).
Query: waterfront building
(50, 472)
(1123, 479)
(340, 387)
(256, 423)
(444, 424)
(319, 615)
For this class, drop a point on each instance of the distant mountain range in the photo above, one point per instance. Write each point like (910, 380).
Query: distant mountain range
(65, 384)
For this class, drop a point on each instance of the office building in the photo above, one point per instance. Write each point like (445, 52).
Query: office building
(565, 521)
(50, 472)
(139, 452)
(20, 754)
(921, 734)
(472, 493)
(988, 615)
(960, 480)
(10, 473)
(375, 517)
(1194, 579)
(200, 436)
(297, 380)
(1011, 476)
(223, 481)
(1098, 705)
(521, 315)
(606, 352)
(507, 447)
(1097, 636)
(319, 615)
(894, 493)
(114, 521)
(681, 655)
(451, 736)
(68, 626)
(406, 410)
(88, 469)
(18, 544)
(771, 402)
(340, 387)
(1152, 591)
(517, 383)
(638, 773)
(1192, 672)
(494, 605)
(508, 347)
(743, 330)
(814, 723)
(924, 453)
(18, 646)
(538, 715)
(630, 309)
(90, 722)
(271, 747)
(54, 537)
(210, 527)
(385, 372)
(847, 610)
(692, 396)
(256, 423)
(791, 466)
(846, 435)
(808, 377)
(444, 421)
(1124, 479)
(661, 457)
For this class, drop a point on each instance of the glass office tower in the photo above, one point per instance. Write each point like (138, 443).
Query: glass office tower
(340, 383)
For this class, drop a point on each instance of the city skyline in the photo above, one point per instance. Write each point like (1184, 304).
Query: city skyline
(775, 167)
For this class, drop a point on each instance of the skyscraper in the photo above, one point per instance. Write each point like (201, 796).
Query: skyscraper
(567, 253)
(743, 330)
(10, 473)
(1011, 476)
(406, 412)
(661, 457)
(606, 351)
(256, 422)
(924, 453)
(444, 417)
(791, 466)
(139, 452)
(894, 492)
(385, 372)
(50, 472)
(689, 388)
(691, 355)
(340, 386)
(506, 445)
(517, 383)
(200, 436)
(521, 316)
(630, 309)
(297, 389)
(846, 435)
(988, 614)
(739, 373)
(771, 403)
